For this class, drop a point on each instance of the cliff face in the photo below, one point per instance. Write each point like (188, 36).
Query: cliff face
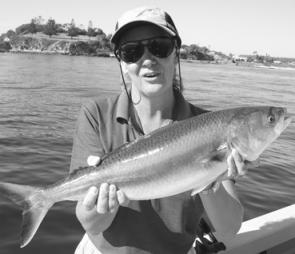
(25, 43)
(59, 44)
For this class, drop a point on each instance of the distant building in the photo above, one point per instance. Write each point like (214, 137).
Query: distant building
(240, 58)
(66, 27)
(277, 62)
(6, 39)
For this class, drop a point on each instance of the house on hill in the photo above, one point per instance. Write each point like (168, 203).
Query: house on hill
(239, 58)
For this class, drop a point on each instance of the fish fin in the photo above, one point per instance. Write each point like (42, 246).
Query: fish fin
(34, 203)
(222, 147)
(217, 155)
(198, 190)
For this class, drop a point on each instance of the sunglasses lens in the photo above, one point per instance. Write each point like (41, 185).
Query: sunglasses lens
(160, 47)
(131, 52)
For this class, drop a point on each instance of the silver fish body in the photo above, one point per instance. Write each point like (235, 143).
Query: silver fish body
(184, 156)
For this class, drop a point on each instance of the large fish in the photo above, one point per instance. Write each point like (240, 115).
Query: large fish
(184, 156)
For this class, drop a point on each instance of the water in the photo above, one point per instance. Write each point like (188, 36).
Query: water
(40, 97)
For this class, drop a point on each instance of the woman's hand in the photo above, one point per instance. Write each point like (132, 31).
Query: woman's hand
(237, 167)
(98, 208)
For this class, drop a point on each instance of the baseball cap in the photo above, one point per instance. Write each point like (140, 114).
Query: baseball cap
(145, 15)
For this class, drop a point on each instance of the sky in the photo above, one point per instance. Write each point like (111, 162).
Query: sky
(230, 26)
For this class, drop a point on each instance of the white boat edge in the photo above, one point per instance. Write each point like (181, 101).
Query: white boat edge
(271, 233)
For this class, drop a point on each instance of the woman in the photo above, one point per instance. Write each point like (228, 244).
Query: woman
(147, 46)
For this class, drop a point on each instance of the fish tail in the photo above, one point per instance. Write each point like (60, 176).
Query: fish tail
(34, 203)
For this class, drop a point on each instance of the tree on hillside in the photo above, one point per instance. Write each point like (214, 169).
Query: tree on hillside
(22, 29)
(73, 23)
(105, 44)
(73, 30)
(10, 34)
(196, 52)
(5, 46)
(32, 27)
(99, 31)
(90, 30)
(39, 24)
(192, 51)
(82, 31)
(101, 36)
(39, 20)
(90, 24)
(50, 28)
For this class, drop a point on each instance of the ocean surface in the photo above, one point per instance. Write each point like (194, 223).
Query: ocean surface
(41, 95)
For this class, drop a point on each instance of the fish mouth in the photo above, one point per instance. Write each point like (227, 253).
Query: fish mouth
(287, 120)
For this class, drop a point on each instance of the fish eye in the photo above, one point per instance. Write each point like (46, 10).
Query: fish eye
(271, 118)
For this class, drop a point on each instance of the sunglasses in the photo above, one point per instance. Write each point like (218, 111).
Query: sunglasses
(131, 52)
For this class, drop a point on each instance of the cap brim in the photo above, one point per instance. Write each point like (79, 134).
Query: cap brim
(132, 24)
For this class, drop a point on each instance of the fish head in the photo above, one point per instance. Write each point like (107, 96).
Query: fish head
(254, 129)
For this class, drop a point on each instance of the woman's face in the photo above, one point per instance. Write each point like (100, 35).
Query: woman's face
(150, 75)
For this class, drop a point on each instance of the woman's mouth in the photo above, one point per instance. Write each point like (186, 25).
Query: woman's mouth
(150, 75)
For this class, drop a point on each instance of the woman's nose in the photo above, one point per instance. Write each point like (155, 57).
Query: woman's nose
(147, 56)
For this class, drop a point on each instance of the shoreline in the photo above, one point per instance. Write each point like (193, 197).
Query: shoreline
(111, 55)
(56, 52)
(31, 51)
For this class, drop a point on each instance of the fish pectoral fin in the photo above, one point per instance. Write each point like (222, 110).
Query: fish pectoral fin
(198, 190)
(217, 156)
(215, 160)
